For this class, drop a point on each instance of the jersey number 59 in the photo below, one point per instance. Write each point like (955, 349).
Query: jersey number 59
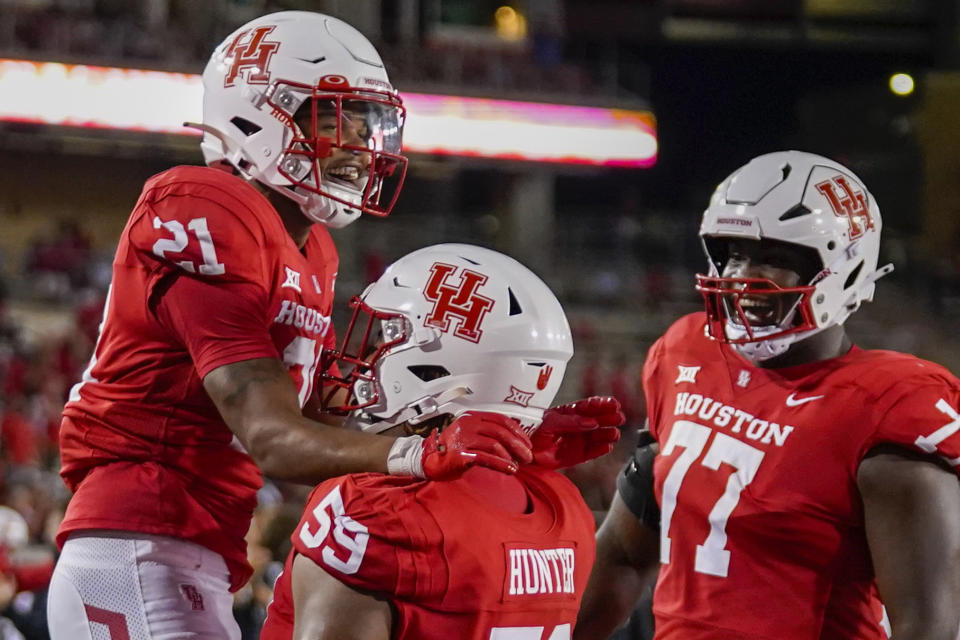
(349, 535)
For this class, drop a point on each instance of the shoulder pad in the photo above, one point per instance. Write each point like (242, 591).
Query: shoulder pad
(358, 528)
(921, 414)
(204, 222)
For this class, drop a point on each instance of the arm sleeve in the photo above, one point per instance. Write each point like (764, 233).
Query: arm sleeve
(368, 532)
(922, 415)
(635, 483)
(218, 323)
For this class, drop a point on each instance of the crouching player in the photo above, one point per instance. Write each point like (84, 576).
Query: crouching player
(449, 331)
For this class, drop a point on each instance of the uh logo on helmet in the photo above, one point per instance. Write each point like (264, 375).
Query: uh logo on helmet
(460, 328)
(301, 103)
(809, 202)
(250, 54)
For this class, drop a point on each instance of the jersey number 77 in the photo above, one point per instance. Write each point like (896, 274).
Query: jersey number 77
(712, 557)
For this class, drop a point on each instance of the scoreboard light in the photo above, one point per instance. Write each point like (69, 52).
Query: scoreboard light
(158, 101)
(901, 84)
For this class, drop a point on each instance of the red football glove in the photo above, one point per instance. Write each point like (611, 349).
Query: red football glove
(577, 432)
(476, 437)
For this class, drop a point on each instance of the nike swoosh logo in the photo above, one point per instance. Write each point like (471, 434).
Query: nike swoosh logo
(793, 401)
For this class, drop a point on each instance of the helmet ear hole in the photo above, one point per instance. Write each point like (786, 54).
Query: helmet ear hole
(515, 309)
(795, 212)
(853, 276)
(428, 372)
(248, 128)
(716, 251)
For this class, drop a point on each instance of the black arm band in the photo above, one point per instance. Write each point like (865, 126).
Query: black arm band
(635, 485)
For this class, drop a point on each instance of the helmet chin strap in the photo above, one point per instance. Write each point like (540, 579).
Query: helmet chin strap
(414, 413)
(760, 349)
(316, 207)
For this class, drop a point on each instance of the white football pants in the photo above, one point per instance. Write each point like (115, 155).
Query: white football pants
(115, 585)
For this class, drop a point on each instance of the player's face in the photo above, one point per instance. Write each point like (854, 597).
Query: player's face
(350, 165)
(776, 262)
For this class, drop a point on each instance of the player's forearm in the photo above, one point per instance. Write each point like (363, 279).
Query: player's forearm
(925, 613)
(627, 553)
(912, 520)
(320, 601)
(258, 401)
(300, 450)
(611, 596)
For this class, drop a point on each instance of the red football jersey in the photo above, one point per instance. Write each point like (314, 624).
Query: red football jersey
(762, 533)
(205, 275)
(452, 564)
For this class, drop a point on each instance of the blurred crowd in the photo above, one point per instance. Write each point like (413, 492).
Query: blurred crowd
(176, 34)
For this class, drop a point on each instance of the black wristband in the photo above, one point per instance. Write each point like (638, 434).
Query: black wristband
(635, 484)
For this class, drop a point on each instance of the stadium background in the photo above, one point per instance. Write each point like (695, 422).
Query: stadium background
(724, 80)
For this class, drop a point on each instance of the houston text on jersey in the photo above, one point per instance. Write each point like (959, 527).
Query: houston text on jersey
(722, 415)
(295, 314)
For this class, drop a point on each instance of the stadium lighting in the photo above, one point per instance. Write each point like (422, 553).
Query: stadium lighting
(510, 25)
(901, 84)
(157, 101)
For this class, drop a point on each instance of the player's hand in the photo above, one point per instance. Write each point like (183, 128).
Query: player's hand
(577, 432)
(475, 438)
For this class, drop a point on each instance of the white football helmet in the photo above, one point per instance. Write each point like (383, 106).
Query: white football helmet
(279, 76)
(804, 200)
(446, 329)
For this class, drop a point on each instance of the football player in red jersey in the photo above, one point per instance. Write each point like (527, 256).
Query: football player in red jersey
(212, 337)
(798, 476)
(486, 555)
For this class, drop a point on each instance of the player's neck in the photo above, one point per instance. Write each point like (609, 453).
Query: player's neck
(296, 224)
(829, 343)
(499, 489)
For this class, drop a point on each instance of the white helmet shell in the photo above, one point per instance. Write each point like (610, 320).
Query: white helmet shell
(480, 332)
(807, 200)
(259, 77)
